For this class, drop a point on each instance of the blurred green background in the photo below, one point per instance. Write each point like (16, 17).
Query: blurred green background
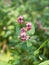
(34, 51)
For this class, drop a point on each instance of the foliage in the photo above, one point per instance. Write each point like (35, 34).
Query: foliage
(35, 50)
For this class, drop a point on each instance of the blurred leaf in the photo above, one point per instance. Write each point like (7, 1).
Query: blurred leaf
(45, 63)
(41, 46)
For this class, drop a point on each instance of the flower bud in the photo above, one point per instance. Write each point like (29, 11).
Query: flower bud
(28, 25)
(20, 19)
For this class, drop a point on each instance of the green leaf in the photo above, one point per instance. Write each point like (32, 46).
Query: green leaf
(43, 44)
(17, 30)
(29, 44)
(36, 52)
(45, 63)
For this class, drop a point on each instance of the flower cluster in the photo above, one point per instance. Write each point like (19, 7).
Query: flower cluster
(23, 34)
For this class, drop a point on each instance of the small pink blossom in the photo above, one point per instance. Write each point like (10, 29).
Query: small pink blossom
(28, 25)
(20, 19)
(23, 36)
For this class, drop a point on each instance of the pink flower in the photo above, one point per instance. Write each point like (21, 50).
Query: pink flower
(20, 19)
(23, 29)
(23, 36)
(28, 25)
